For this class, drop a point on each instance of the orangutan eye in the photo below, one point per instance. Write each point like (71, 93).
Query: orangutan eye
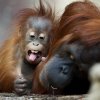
(32, 34)
(72, 57)
(42, 36)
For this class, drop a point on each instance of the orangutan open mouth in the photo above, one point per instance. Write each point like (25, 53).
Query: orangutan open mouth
(34, 54)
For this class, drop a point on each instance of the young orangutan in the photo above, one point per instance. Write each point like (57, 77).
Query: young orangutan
(67, 65)
(23, 51)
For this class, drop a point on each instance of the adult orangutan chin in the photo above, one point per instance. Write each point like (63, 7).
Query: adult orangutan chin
(23, 51)
(67, 65)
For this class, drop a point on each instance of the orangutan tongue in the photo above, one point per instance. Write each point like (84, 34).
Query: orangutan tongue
(32, 57)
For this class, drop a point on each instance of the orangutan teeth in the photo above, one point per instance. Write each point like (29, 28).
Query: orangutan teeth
(35, 51)
(32, 51)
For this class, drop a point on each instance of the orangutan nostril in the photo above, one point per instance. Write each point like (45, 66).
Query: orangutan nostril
(36, 44)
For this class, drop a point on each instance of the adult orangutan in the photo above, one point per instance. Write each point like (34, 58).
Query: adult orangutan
(23, 51)
(67, 65)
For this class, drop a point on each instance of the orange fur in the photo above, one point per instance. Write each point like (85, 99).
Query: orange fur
(8, 64)
(79, 22)
(9, 52)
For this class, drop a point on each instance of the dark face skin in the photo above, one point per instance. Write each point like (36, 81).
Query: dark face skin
(65, 70)
(59, 69)
(35, 47)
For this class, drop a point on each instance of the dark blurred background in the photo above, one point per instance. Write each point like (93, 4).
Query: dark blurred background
(8, 9)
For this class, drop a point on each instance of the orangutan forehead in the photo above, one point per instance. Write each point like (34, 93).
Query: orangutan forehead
(39, 24)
